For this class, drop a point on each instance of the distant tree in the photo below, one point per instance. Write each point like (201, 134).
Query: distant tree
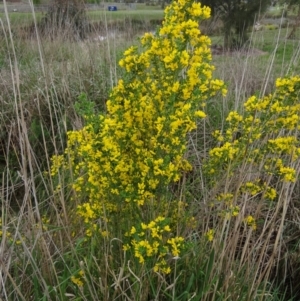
(94, 1)
(65, 17)
(296, 5)
(237, 16)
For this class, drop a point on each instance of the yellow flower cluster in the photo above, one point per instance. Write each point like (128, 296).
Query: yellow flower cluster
(264, 140)
(255, 188)
(263, 131)
(122, 160)
(78, 280)
(210, 234)
(250, 221)
(151, 241)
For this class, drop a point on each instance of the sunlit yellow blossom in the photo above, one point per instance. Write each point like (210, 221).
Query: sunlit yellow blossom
(78, 280)
(210, 234)
(270, 193)
(251, 222)
(200, 114)
(288, 174)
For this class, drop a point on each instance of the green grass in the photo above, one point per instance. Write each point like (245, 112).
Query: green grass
(285, 51)
(141, 12)
(17, 19)
(26, 19)
(121, 15)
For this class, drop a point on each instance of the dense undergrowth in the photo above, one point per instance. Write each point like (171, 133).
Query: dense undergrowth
(142, 180)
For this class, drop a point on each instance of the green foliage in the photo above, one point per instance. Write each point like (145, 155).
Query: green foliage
(85, 108)
(290, 2)
(237, 16)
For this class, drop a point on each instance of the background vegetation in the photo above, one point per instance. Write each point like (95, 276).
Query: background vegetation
(49, 85)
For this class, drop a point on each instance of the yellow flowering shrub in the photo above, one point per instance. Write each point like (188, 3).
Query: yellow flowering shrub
(258, 150)
(122, 162)
(152, 241)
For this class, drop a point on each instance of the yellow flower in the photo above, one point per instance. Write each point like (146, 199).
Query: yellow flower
(251, 221)
(210, 234)
(200, 114)
(133, 230)
(288, 174)
(78, 280)
(270, 193)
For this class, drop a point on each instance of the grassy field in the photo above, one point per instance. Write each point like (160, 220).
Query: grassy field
(17, 18)
(143, 15)
(138, 12)
(20, 19)
(239, 220)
